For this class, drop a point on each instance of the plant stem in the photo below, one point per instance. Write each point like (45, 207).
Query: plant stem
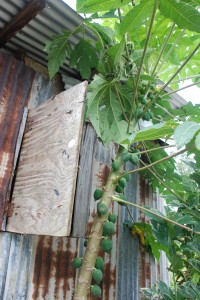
(120, 102)
(184, 87)
(155, 163)
(163, 49)
(186, 78)
(153, 171)
(173, 76)
(119, 14)
(130, 214)
(142, 60)
(95, 237)
(114, 198)
(162, 182)
(153, 149)
(170, 50)
(165, 110)
(181, 67)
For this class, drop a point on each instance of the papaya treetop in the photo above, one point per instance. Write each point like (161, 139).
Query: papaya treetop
(138, 49)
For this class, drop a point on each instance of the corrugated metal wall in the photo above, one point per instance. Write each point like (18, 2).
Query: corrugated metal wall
(39, 267)
(14, 95)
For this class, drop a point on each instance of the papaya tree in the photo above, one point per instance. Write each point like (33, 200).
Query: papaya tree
(137, 49)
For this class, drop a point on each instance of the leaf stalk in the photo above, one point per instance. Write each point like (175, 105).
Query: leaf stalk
(114, 198)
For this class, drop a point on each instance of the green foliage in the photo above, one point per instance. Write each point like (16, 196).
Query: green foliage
(105, 112)
(185, 15)
(154, 132)
(185, 132)
(84, 58)
(92, 6)
(137, 16)
(58, 49)
(123, 92)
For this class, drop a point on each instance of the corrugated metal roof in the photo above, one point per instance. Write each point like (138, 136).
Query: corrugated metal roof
(33, 37)
(54, 17)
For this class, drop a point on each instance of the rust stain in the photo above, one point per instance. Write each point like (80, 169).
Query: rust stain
(109, 280)
(43, 266)
(15, 86)
(53, 261)
(104, 171)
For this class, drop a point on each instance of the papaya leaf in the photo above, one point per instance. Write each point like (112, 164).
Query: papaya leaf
(183, 14)
(195, 263)
(104, 111)
(197, 141)
(185, 132)
(58, 49)
(155, 131)
(92, 6)
(115, 53)
(152, 216)
(84, 58)
(106, 33)
(137, 16)
(137, 54)
(165, 290)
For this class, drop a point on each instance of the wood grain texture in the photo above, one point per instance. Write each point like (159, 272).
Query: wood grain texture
(44, 190)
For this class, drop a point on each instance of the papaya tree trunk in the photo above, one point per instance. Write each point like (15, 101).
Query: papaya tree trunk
(95, 236)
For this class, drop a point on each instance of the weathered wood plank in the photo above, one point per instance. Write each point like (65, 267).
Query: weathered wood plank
(44, 189)
(83, 190)
(15, 85)
(18, 267)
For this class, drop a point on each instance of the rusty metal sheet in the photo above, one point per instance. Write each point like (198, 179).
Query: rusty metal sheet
(52, 275)
(15, 85)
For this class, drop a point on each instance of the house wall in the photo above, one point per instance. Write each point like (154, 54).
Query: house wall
(39, 267)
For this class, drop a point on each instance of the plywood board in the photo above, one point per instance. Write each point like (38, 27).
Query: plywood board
(44, 189)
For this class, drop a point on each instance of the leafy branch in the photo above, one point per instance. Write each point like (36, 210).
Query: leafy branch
(155, 163)
(114, 198)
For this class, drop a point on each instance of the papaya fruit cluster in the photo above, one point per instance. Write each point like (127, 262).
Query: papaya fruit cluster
(145, 95)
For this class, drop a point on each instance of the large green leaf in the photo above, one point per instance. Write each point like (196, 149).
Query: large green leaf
(185, 132)
(137, 16)
(183, 14)
(104, 111)
(93, 6)
(58, 49)
(155, 132)
(197, 141)
(84, 58)
(105, 33)
(115, 53)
